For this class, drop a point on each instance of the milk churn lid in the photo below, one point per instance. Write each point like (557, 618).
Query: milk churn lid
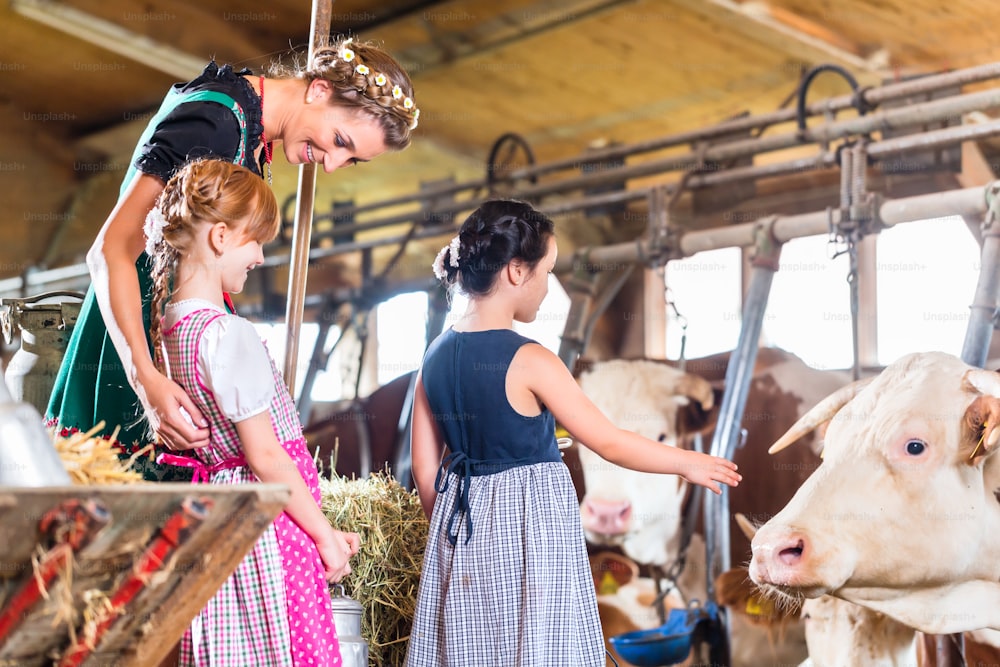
(341, 602)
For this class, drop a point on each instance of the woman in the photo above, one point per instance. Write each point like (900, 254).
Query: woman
(351, 104)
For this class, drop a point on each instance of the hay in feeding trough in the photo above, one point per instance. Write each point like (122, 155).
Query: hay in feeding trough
(93, 459)
(386, 571)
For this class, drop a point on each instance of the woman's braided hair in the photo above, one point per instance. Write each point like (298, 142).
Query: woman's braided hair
(204, 191)
(365, 77)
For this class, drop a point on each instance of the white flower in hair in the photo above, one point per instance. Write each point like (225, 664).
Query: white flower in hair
(362, 69)
(153, 228)
(438, 266)
(380, 79)
(345, 53)
(407, 103)
(397, 92)
(416, 116)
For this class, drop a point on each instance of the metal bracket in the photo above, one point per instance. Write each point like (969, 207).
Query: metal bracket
(662, 242)
(766, 247)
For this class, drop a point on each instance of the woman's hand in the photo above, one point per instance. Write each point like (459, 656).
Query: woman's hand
(177, 421)
(708, 471)
(335, 549)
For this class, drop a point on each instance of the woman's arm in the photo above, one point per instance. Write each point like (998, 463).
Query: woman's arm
(111, 260)
(271, 463)
(537, 370)
(426, 446)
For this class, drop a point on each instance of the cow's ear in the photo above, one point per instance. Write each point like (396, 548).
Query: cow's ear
(980, 429)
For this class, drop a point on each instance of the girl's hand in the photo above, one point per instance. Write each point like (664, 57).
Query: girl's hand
(335, 549)
(708, 471)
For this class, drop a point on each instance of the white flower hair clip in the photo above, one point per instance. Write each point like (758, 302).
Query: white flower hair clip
(153, 228)
(362, 69)
(381, 79)
(438, 266)
(345, 53)
(416, 117)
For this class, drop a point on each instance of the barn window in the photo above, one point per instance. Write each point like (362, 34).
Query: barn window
(328, 384)
(705, 288)
(926, 275)
(549, 324)
(402, 335)
(809, 308)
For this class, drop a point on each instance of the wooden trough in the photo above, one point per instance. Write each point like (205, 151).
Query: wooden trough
(112, 575)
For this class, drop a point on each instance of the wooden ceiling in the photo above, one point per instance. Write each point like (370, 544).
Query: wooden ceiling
(79, 78)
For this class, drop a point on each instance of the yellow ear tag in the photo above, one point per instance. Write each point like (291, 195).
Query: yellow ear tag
(757, 606)
(609, 586)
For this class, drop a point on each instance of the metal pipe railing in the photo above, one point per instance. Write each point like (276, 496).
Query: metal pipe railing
(871, 97)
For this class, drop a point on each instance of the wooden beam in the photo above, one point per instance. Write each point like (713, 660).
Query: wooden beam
(786, 32)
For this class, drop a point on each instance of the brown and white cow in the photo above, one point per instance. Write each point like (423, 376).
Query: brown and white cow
(641, 513)
(902, 515)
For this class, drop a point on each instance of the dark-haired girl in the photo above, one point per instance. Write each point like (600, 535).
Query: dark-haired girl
(505, 578)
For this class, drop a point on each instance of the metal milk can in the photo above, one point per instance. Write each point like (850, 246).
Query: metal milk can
(44, 327)
(347, 619)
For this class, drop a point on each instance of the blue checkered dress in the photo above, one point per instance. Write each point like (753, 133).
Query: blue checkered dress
(506, 580)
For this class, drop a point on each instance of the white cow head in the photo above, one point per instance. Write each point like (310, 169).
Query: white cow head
(641, 512)
(901, 516)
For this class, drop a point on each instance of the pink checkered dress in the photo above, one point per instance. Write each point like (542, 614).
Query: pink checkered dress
(275, 609)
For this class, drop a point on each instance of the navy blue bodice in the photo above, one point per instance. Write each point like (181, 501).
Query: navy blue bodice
(464, 375)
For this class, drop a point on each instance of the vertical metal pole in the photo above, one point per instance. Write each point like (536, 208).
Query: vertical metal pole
(319, 31)
(582, 288)
(979, 333)
(739, 373)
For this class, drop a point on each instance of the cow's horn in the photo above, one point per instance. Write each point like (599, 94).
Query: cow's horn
(698, 388)
(821, 412)
(745, 525)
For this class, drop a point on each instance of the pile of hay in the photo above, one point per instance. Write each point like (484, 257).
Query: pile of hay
(93, 459)
(386, 571)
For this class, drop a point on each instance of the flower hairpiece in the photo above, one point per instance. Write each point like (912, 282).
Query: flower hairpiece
(438, 266)
(345, 53)
(362, 69)
(397, 92)
(153, 228)
(416, 116)
(380, 79)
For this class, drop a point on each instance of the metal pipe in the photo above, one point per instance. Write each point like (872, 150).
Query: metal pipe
(926, 112)
(319, 30)
(739, 374)
(979, 331)
(965, 202)
(871, 97)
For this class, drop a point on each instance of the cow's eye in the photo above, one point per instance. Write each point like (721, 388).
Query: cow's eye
(915, 447)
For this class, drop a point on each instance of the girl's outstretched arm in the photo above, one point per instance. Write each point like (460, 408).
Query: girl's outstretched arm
(271, 463)
(111, 260)
(536, 370)
(426, 446)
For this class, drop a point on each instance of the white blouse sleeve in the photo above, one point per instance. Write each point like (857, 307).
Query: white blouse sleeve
(234, 364)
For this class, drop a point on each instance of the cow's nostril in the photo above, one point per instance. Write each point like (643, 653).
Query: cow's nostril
(792, 555)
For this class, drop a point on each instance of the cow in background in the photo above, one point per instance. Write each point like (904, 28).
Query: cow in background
(640, 513)
(356, 436)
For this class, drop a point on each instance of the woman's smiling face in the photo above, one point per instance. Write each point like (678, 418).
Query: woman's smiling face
(330, 135)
